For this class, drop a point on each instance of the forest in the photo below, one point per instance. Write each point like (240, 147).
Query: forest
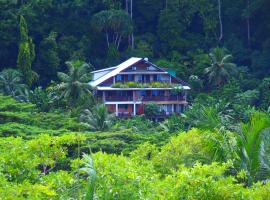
(57, 141)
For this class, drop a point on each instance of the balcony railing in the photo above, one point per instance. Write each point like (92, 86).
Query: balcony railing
(119, 98)
(144, 98)
(162, 98)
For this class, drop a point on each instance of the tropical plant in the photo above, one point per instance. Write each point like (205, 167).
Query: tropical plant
(173, 124)
(252, 147)
(89, 168)
(208, 116)
(221, 68)
(11, 83)
(75, 85)
(97, 118)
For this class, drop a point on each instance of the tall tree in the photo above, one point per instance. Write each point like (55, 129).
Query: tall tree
(116, 24)
(26, 54)
(48, 59)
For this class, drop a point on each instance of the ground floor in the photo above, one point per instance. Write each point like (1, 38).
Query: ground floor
(125, 109)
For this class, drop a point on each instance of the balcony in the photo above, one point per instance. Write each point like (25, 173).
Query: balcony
(119, 98)
(143, 98)
(162, 98)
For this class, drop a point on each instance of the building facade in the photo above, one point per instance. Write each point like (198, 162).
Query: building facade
(126, 89)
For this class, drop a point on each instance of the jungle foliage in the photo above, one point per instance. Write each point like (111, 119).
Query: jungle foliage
(58, 142)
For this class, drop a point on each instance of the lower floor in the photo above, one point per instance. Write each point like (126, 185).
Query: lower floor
(133, 109)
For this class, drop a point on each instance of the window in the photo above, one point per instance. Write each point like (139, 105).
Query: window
(151, 68)
(134, 68)
(139, 78)
(162, 78)
(143, 93)
(155, 92)
(119, 77)
(130, 78)
(169, 108)
(123, 106)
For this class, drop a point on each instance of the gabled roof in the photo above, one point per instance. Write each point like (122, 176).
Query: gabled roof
(102, 70)
(114, 72)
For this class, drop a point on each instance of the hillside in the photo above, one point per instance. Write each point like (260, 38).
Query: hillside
(181, 112)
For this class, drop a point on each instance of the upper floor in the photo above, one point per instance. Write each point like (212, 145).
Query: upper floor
(135, 73)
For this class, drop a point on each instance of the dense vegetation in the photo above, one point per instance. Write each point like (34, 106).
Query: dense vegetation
(58, 142)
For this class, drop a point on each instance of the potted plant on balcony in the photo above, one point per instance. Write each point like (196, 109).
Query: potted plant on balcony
(176, 91)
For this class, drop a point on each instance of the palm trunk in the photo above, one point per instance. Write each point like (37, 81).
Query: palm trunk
(107, 39)
(248, 23)
(131, 15)
(220, 21)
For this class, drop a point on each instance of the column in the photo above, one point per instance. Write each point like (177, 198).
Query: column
(134, 109)
(116, 109)
(134, 96)
(103, 96)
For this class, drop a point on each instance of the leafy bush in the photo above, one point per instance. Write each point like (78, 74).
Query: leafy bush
(151, 109)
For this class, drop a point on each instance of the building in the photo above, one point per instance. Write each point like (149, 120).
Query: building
(127, 88)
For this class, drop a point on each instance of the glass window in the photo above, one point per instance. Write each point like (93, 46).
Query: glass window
(143, 93)
(123, 106)
(119, 77)
(161, 77)
(169, 108)
(155, 92)
(130, 77)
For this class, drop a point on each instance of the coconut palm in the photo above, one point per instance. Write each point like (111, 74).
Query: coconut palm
(97, 118)
(74, 85)
(11, 83)
(253, 142)
(221, 68)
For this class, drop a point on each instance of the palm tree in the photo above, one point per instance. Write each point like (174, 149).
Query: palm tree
(11, 83)
(221, 68)
(74, 85)
(253, 142)
(97, 118)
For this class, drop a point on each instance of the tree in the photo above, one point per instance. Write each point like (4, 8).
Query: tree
(48, 59)
(221, 68)
(151, 109)
(116, 24)
(11, 83)
(26, 54)
(75, 85)
(97, 118)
